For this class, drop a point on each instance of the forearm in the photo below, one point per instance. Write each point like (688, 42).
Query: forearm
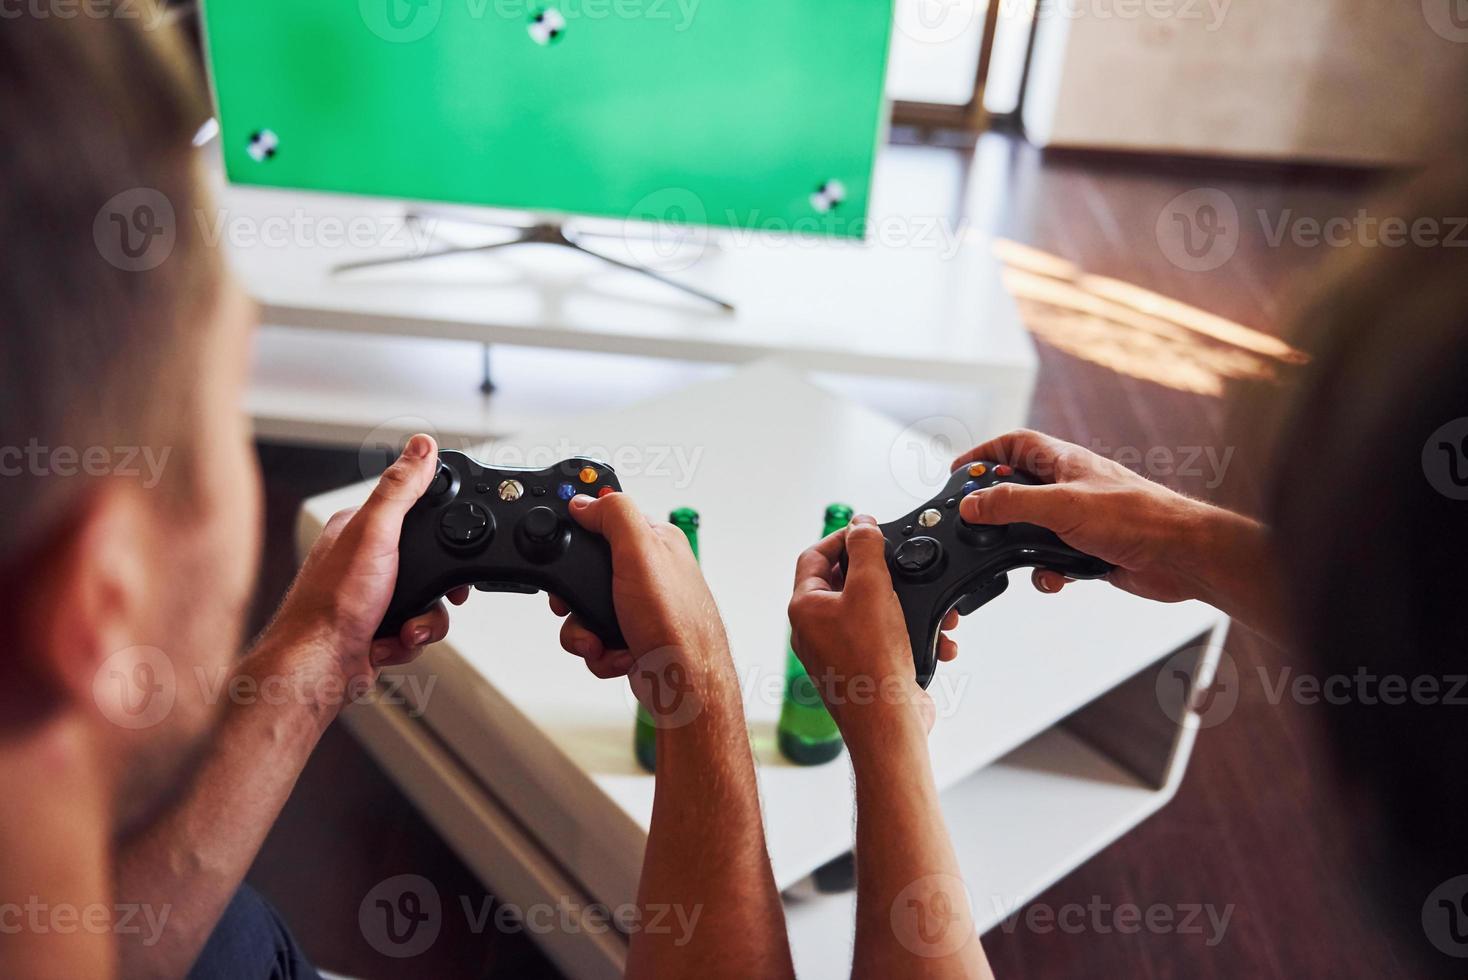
(912, 914)
(194, 857)
(706, 874)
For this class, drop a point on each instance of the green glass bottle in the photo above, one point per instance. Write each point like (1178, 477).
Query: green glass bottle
(644, 739)
(807, 735)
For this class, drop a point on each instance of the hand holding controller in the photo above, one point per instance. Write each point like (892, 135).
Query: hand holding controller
(940, 562)
(506, 530)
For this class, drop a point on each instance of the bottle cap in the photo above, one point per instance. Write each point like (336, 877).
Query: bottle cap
(839, 515)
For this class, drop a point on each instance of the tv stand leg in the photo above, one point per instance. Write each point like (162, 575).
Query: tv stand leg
(486, 381)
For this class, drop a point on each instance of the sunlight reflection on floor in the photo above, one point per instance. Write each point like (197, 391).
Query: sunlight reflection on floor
(1133, 330)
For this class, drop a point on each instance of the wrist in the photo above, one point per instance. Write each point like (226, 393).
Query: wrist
(895, 719)
(301, 661)
(1204, 554)
(676, 683)
(886, 741)
(1240, 577)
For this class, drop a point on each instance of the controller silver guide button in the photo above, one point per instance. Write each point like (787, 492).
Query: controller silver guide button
(931, 517)
(511, 490)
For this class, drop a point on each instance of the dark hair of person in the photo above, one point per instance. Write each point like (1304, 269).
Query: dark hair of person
(1368, 501)
(98, 116)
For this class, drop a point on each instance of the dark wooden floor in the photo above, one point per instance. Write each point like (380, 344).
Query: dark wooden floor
(1256, 825)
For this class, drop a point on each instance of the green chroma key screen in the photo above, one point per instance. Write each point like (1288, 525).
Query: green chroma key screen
(760, 114)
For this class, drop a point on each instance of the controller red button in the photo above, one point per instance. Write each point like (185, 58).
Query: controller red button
(1002, 470)
(605, 491)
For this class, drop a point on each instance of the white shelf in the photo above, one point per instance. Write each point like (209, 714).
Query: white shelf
(341, 389)
(1018, 825)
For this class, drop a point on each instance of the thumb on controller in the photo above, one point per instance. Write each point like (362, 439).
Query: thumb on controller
(866, 556)
(402, 483)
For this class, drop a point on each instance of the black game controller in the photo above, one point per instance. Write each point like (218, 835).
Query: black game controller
(940, 562)
(506, 530)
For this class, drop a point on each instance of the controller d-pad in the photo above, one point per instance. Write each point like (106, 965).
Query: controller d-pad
(918, 556)
(466, 525)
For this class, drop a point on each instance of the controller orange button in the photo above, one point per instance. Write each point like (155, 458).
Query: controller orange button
(588, 475)
(977, 470)
(604, 491)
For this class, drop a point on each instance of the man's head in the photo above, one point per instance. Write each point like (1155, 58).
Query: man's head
(128, 488)
(1369, 503)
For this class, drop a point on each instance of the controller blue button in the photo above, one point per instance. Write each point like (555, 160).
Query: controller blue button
(566, 491)
(970, 487)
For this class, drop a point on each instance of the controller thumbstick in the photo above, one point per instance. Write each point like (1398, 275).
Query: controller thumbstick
(541, 535)
(541, 524)
(442, 485)
(982, 535)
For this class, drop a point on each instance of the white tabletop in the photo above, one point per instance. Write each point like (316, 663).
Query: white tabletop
(760, 454)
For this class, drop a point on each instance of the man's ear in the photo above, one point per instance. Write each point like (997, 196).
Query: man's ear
(92, 590)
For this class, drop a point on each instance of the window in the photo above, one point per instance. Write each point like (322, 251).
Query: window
(954, 60)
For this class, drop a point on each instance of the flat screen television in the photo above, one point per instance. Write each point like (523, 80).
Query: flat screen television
(761, 114)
